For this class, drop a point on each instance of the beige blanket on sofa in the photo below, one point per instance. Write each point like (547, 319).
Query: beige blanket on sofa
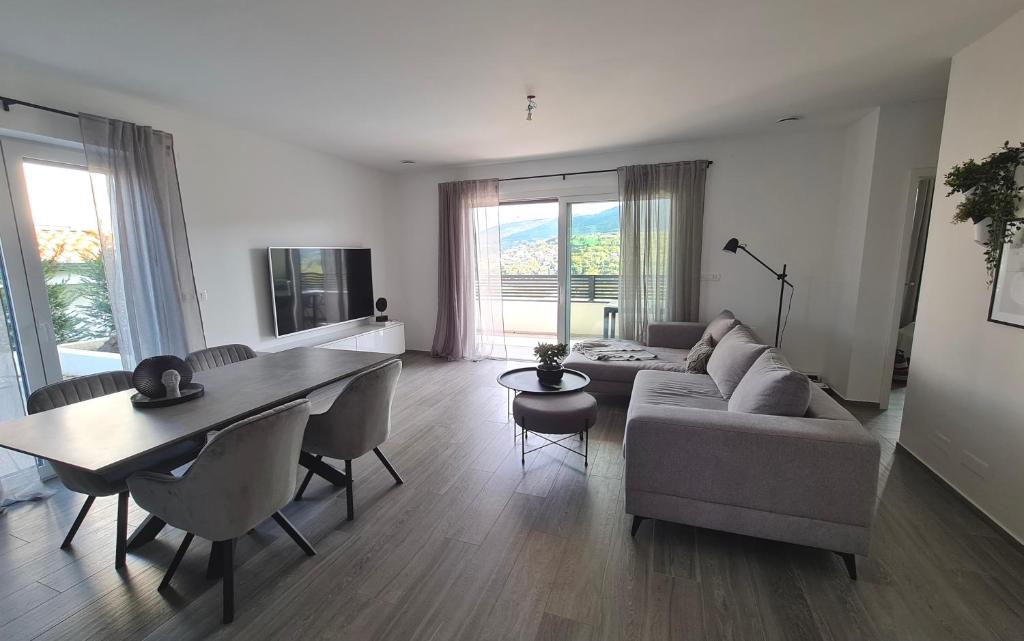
(613, 350)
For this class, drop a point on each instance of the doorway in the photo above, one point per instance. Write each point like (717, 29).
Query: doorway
(57, 313)
(915, 245)
(559, 270)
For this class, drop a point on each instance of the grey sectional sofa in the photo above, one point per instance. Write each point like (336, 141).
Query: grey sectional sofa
(809, 479)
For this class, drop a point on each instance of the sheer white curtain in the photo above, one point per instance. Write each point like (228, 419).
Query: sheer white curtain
(661, 209)
(470, 324)
(145, 244)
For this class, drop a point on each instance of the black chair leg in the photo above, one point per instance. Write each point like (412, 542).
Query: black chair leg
(228, 578)
(637, 520)
(290, 530)
(78, 522)
(851, 564)
(349, 499)
(387, 464)
(121, 551)
(176, 561)
(216, 561)
(305, 482)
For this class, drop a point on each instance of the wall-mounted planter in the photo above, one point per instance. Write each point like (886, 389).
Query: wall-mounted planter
(981, 231)
(993, 197)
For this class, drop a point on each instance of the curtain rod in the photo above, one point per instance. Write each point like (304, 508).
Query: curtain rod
(6, 104)
(570, 173)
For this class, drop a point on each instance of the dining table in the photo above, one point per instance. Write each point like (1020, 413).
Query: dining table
(102, 433)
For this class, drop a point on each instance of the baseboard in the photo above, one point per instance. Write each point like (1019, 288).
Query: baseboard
(994, 524)
(834, 392)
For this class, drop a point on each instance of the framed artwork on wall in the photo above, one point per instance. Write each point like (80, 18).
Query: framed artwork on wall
(1007, 305)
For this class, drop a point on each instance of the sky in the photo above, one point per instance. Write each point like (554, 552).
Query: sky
(61, 196)
(547, 210)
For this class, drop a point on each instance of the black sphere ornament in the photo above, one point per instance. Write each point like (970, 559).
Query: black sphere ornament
(148, 376)
(382, 305)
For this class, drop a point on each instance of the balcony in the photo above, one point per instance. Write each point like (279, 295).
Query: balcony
(530, 307)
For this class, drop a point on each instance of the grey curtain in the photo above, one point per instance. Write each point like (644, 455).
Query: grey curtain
(469, 307)
(145, 244)
(662, 217)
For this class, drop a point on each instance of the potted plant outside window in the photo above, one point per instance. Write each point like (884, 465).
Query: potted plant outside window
(550, 355)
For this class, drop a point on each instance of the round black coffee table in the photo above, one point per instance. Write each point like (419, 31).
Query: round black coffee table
(524, 380)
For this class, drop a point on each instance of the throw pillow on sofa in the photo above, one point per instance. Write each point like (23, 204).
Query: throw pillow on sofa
(732, 357)
(697, 358)
(719, 326)
(772, 386)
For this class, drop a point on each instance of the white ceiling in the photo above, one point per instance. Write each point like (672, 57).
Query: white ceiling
(444, 81)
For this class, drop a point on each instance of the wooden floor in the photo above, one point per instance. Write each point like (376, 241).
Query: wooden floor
(475, 547)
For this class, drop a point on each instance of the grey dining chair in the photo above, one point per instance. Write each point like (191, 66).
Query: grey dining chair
(244, 475)
(219, 356)
(359, 421)
(112, 482)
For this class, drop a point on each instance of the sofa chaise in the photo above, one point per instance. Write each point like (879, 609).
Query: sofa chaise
(752, 448)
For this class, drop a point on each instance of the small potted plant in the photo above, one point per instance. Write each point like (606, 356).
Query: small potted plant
(550, 356)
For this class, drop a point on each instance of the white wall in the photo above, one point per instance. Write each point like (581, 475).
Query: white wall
(848, 245)
(964, 406)
(241, 192)
(883, 150)
(777, 193)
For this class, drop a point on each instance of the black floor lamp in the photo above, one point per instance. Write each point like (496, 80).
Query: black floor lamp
(732, 246)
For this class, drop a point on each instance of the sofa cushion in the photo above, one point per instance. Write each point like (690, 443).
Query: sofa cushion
(676, 389)
(772, 386)
(732, 357)
(668, 359)
(720, 325)
(697, 359)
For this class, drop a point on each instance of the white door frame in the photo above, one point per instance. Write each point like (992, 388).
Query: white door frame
(916, 176)
(31, 267)
(564, 257)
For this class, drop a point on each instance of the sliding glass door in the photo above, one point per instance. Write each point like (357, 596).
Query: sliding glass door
(593, 269)
(57, 248)
(529, 274)
(13, 384)
(559, 270)
(57, 320)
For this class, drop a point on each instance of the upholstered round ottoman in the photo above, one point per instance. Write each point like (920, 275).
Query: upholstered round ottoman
(553, 414)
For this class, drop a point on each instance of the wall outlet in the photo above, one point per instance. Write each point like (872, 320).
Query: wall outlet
(975, 464)
(711, 276)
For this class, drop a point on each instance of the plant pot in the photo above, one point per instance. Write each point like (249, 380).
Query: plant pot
(550, 375)
(981, 231)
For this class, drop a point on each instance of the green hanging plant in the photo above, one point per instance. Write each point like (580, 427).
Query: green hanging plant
(990, 191)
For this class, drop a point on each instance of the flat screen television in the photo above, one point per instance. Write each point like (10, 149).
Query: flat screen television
(319, 286)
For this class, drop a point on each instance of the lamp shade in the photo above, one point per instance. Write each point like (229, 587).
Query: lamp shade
(732, 245)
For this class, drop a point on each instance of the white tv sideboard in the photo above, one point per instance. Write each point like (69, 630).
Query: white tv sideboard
(371, 336)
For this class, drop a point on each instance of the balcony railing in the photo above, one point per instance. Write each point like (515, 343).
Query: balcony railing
(583, 288)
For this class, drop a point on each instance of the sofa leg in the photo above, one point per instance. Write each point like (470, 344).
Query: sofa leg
(637, 520)
(851, 564)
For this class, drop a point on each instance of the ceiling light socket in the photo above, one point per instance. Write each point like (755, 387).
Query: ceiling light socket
(531, 106)
(407, 162)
